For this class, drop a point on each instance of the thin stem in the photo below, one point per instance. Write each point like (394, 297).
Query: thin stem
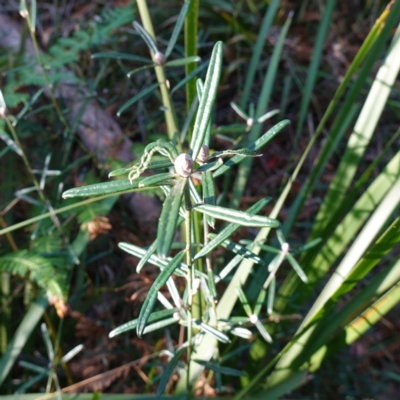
(169, 112)
(45, 77)
(188, 226)
(210, 273)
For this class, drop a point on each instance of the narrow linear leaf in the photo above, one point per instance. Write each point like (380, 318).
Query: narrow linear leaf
(153, 259)
(136, 98)
(177, 28)
(182, 61)
(213, 332)
(169, 218)
(150, 251)
(239, 217)
(189, 77)
(210, 166)
(151, 298)
(151, 44)
(230, 229)
(159, 325)
(207, 100)
(121, 56)
(240, 250)
(211, 284)
(32, 367)
(239, 111)
(21, 336)
(71, 354)
(240, 152)
(263, 331)
(133, 324)
(257, 145)
(209, 194)
(99, 189)
(158, 180)
(220, 369)
(244, 301)
(260, 301)
(296, 266)
(241, 332)
(168, 371)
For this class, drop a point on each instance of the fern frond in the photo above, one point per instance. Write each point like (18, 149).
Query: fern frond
(40, 270)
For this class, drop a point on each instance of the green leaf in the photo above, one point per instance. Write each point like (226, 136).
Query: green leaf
(239, 217)
(177, 29)
(133, 324)
(220, 369)
(152, 295)
(151, 44)
(154, 260)
(213, 332)
(296, 266)
(159, 324)
(99, 189)
(239, 111)
(24, 330)
(267, 337)
(207, 100)
(166, 375)
(136, 98)
(121, 56)
(257, 50)
(210, 165)
(182, 61)
(241, 152)
(158, 180)
(47, 342)
(230, 229)
(244, 301)
(240, 250)
(169, 218)
(150, 251)
(209, 194)
(32, 367)
(258, 144)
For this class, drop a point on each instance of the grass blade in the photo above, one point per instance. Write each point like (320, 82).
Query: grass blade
(25, 329)
(262, 106)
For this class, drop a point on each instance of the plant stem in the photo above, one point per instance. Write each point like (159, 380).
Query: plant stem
(188, 226)
(191, 27)
(169, 112)
(45, 77)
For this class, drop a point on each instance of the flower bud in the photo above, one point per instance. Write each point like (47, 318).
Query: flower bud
(203, 153)
(285, 248)
(253, 318)
(250, 122)
(184, 165)
(159, 58)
